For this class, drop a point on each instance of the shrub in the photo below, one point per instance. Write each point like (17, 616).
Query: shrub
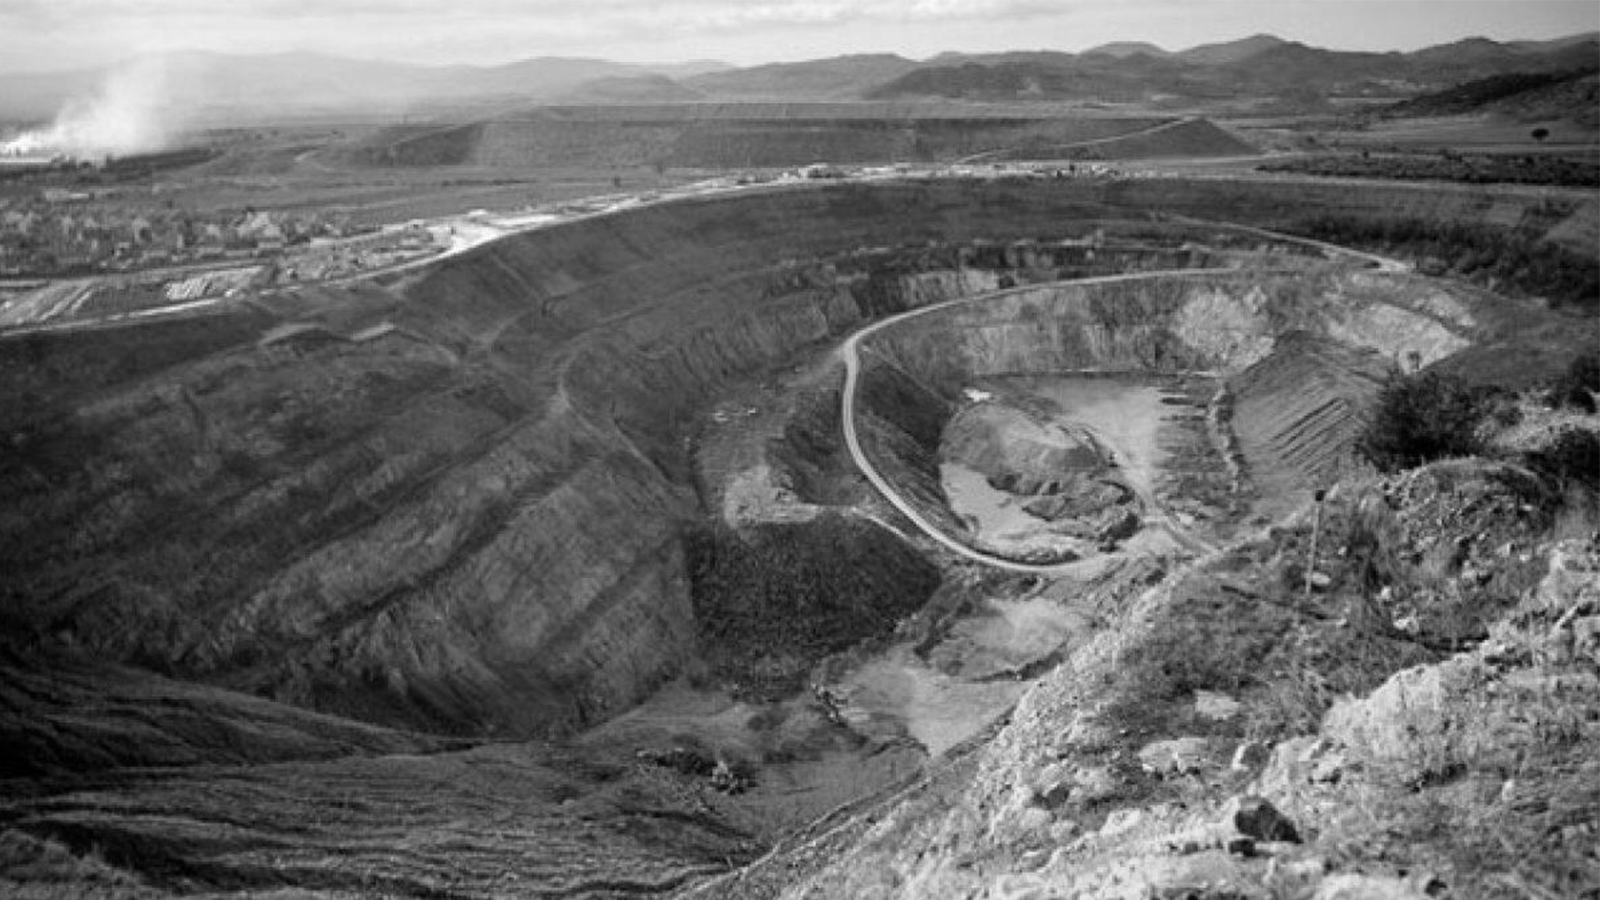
(1572, 458)
(1505, 258)
(1421, 418)
(1577, 386)
(1585, 371)
(1571, 396)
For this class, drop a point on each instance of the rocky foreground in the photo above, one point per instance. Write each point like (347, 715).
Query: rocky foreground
(1421, 722)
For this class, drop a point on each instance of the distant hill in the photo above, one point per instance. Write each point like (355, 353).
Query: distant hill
(822, 79)
(1529, 96)
(1477, 58)
(1123, 49)
(1087, 78)
(1571, 40)
(211, 88)
(1230, 51)
(214, 87)
(636, 89)
(1259, 66)
(1294, 64)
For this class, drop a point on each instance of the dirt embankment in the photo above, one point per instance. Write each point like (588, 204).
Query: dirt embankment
(474, 523)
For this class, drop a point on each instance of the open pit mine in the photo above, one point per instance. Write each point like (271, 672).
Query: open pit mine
(915, 538)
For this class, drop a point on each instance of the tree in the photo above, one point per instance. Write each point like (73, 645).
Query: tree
(1420, 418)
(1539, 134)
(1572, 458)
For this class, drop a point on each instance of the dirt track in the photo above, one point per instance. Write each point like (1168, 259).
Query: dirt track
(850, 351)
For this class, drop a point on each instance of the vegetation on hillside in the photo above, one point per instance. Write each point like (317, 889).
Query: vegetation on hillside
(1470, 96)
(1478, 168)
(1421, 418)
(1573, 458)
(771, 601)
(1498, 257)
(1578, 384)
(1431, 416)
(1506, 88)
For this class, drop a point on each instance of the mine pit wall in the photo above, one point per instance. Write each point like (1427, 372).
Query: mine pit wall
(474, 523)
(1303, 354)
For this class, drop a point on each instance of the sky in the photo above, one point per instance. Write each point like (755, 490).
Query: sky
(45, 35)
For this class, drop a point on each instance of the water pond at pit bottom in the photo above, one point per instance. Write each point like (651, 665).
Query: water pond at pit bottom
(1124, 413)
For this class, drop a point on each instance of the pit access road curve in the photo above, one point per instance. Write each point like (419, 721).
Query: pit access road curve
(850, 351)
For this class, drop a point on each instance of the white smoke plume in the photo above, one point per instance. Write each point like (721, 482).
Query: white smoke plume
(128, 113)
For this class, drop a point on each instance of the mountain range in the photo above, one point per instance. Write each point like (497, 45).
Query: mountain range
(211, 87)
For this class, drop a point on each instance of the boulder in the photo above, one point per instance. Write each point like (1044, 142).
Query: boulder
(1256, 818)
(1215, 706)
(1179, 756)
(1366, 887)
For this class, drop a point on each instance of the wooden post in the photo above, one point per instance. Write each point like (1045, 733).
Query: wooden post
(1316, 534)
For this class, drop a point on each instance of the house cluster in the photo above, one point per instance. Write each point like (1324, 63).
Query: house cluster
(61, 233)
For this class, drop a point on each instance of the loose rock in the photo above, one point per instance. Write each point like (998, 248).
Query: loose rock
(1365, 887)
(1180, 756)
(1215, 706)
(1259, 819)
(1249, 755)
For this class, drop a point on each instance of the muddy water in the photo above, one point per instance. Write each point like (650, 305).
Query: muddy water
(1126, 417)
(996, 516)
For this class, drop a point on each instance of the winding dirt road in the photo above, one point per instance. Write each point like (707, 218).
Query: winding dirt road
(850, 351)
(1154, 513)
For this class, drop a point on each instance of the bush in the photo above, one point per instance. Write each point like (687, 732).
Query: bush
(1506, 258)
(1572, 458)
(1571, 396)
(1585, 371)
(1577, 386)
(1421, 418)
